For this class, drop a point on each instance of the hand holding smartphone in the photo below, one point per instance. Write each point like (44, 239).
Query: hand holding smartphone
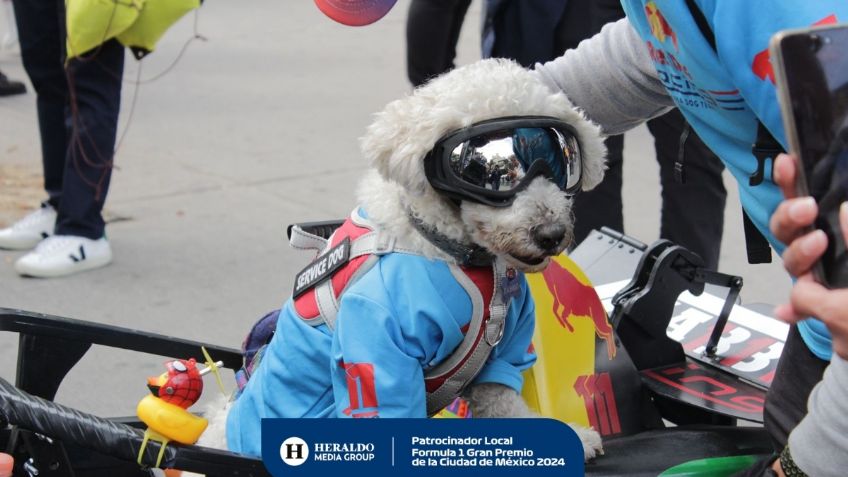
(811, 73)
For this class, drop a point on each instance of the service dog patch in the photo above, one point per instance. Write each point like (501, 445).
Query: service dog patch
(322, 267)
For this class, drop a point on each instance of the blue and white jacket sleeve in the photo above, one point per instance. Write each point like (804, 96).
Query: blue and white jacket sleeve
(375, 372)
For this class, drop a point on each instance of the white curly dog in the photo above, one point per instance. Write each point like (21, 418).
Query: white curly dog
(410, 310)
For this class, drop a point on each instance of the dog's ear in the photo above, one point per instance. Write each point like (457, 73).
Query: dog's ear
(394, 147)
(594, 154)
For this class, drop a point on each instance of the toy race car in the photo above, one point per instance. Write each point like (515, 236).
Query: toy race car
(667, 352)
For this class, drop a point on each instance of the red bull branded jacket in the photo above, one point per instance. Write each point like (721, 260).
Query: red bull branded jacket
(656, 58)
(405, 315)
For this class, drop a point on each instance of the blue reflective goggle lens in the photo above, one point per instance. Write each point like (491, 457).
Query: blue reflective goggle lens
(502, 160)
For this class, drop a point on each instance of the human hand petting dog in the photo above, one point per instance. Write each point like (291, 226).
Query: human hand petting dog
(808, 297)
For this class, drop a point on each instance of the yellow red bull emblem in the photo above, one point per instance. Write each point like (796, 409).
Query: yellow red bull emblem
(576, 298)
(659, 26)
(569, 317)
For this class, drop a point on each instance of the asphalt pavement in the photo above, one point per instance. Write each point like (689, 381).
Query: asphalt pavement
(253, 127)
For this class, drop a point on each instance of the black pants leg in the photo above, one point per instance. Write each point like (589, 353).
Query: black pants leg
(575, 26)
(692, 213)
(602, 206)
(41, 36)
(95, 85)
(77, 114)
(432, 31)
(798, 371)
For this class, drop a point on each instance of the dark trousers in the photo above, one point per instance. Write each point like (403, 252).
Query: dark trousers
(798, 371)
(77, 115)
(432, 30)
(531, 31)
(692, 213)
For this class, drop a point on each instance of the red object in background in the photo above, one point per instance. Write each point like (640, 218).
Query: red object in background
(183, 384)
(355, 12)
(7, 465)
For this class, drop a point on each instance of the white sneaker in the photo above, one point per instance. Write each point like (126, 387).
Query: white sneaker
(27, 232)
(63, 255)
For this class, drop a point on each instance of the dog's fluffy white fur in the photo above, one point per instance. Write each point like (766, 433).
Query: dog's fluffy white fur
(396, 187)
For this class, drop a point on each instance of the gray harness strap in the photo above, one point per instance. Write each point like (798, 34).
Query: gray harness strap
(303, 240)
(373, 243)
(466, 362)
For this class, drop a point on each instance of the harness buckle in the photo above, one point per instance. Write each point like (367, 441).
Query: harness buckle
(494, 332)
(762, 154)
(385, 244)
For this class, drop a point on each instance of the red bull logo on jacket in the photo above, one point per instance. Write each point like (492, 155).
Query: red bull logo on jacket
(761, 64)
(659, 26)
(574, 299)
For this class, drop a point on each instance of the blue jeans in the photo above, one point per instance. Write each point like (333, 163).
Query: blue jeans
(78, 109)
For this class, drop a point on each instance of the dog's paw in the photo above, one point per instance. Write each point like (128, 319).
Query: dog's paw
(591, 440)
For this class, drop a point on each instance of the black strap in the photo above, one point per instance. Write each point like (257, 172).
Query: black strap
(766, 147)
(756, 244)
(679, 171)
(702, 23)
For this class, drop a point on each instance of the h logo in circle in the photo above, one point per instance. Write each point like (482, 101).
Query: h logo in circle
(294, 451)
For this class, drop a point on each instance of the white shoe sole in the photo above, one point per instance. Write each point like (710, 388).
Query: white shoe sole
(40, 271)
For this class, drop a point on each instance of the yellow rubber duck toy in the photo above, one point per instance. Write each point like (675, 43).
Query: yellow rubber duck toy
(165, 409)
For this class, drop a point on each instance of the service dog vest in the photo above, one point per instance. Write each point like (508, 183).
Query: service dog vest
(353, 249)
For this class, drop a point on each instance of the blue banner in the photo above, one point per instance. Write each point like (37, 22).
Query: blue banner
(420, 447)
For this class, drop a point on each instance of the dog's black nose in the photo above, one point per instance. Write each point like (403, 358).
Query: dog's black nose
(548, 237)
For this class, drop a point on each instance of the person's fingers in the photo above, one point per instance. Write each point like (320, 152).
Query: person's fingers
(841, 348)
(802, 253)
(785, 169)
(843, 220)
(791, 217)
(785, 312)
(807, 277)
(803, 298)
(809, 298)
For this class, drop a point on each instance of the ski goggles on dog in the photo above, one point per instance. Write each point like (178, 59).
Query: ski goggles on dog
(491, 161)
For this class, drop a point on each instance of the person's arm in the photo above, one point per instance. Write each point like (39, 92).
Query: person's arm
(611, 78)
(819, 445)
(789, 224)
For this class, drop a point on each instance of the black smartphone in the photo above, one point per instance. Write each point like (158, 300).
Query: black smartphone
(811, 74)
